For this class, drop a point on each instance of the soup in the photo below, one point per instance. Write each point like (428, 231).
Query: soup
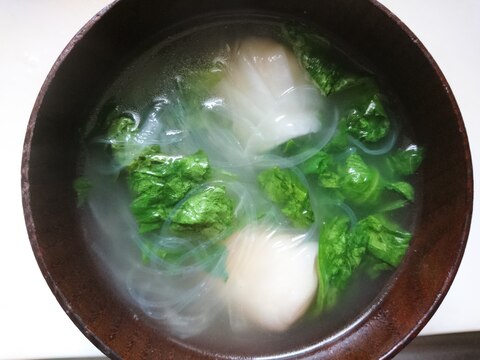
(250, 182)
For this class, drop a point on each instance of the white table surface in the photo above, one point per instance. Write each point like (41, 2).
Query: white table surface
(33, 33)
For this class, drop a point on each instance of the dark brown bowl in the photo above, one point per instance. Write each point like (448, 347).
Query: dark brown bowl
(94, 57)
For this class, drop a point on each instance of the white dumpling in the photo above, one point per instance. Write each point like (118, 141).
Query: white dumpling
(272, 278)
(270, 97)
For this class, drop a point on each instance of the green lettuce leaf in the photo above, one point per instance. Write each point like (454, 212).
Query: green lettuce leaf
(360, 184)
(339, 142)
(286, 190)
(375, 244)
(406, 161)
(208, 212)
(196, 87)
(322, 165)
(158, 182)
(168, 190)
(330, 71)
(367, 121)
(385, 240)
(339, 255)
(120, 139)
(404, 189)
(374, 267)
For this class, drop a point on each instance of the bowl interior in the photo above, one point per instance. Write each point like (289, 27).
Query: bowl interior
(60, 232)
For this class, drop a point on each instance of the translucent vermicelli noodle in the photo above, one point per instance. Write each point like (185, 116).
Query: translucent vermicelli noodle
(241, 187)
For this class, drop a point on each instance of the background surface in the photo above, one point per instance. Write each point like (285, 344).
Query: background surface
(32, 35)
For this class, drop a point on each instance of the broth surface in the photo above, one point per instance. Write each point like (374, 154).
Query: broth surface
(191, 302)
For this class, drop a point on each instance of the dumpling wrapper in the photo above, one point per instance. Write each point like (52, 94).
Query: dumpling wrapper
(270, 96)
(272, 278)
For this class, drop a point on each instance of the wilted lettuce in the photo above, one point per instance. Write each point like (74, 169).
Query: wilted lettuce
(406, 161)
(286, 190)
(357, 183)
(374, 243)
(340, 140)
(374, 267)
(158, 182)
(170, 191)
(367, 120)
(195, 87)
(385, 240)
(330, 71)
(120, 138)
(363, 115)
(208, 212)
(340, 252)
(364, 118)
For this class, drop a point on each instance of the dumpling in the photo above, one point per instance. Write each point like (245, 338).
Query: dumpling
(272, 278)
(270, 96)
